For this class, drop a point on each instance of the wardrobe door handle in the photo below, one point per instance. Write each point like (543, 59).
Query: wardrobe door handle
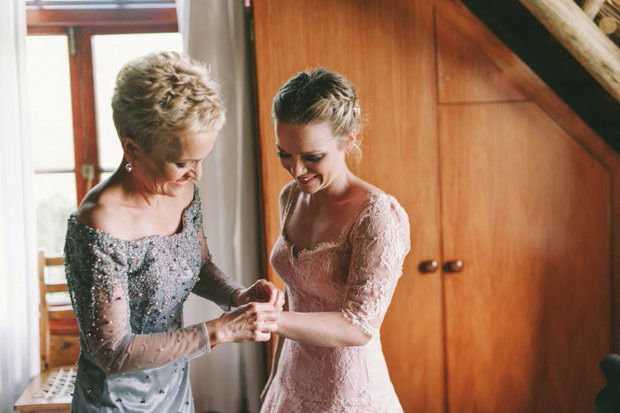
(428, 266)
(453, 266)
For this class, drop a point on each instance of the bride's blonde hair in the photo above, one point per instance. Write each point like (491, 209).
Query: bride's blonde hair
(320, 96)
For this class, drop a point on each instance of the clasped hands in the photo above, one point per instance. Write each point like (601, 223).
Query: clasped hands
(256, 316)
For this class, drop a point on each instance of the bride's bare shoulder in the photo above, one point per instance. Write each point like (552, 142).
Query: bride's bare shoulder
(363, 189)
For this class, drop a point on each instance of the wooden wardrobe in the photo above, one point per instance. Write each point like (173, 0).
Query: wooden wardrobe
(495, 171)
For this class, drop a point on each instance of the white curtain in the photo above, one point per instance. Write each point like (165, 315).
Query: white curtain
(230, 379)
(19, 344)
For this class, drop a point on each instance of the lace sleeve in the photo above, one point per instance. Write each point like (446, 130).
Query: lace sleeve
(97, 277)
(213, 283)
(380, 242)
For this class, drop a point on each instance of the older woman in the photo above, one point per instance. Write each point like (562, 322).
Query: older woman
(135, 249)
(340, 253)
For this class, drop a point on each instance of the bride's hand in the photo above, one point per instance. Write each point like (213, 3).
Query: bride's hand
(262, 291)
(250, 322)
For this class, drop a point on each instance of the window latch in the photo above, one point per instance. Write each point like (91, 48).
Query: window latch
(71, 37)
(88, 173)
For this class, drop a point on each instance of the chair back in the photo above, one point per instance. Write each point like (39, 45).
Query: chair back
(58, 329)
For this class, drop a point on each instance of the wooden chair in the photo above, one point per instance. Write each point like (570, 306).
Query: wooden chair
(51, 390)
(58, 331)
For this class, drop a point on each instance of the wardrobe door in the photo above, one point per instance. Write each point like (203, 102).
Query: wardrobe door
(387, 50)
(527, 211)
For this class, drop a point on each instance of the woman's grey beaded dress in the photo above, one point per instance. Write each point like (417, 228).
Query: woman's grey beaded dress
(128, 298)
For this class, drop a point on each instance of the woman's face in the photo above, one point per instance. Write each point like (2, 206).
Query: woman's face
(169, 167)
(311, 154)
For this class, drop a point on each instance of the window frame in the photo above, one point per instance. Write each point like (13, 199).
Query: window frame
(80, 24)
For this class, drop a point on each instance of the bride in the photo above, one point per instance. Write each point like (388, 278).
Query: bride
(340, 253)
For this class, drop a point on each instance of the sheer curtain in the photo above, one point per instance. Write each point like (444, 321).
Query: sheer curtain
(18, 314)
(229, 379)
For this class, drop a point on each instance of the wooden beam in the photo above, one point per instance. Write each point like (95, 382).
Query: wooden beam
(608, 25)
(526, 81)
(592, 7)
(118, 16)
(580, 36)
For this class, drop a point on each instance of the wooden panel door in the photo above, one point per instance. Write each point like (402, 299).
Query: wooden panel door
(527, 210)
(464, 72)
(387, 50)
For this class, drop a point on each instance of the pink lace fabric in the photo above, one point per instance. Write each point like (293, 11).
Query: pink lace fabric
(356, 275)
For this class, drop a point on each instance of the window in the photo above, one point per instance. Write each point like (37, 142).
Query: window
(74, 50)
(95, 3)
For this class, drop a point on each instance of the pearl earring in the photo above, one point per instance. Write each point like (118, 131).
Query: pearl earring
(128, 167)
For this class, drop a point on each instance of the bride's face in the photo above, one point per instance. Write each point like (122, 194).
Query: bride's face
(311, 153)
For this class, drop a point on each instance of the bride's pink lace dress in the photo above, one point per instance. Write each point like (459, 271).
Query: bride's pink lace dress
(355, 275)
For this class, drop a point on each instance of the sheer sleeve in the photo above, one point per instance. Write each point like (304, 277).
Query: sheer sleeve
(213, 284)
(379, 244)
(97, 271)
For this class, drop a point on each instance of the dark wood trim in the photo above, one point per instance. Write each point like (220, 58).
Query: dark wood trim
(115, 17)
(170, 28)
(77, 110)
(45, 30)
(262, 233)
(77, 113)
(52, 30)
(83, 108)
(91, 149)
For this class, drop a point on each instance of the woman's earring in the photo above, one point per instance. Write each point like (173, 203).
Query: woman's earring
(128, 167)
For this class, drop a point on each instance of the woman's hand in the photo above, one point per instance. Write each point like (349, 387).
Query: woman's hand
(250, 322)
(262, 291)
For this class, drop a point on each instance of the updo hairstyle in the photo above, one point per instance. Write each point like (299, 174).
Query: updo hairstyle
(320, 96)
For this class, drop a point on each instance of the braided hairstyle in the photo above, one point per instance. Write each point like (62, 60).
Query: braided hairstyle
(163, 95)
(320, 96)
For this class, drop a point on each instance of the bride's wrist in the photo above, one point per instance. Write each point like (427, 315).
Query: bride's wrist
(237, 297)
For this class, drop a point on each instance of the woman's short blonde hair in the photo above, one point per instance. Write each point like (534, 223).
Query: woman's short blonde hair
(319, 96)
(163, 95)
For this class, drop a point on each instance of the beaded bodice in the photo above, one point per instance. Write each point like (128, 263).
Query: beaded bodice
(128, 298)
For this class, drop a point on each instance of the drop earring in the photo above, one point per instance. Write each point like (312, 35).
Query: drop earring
(128, 167)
